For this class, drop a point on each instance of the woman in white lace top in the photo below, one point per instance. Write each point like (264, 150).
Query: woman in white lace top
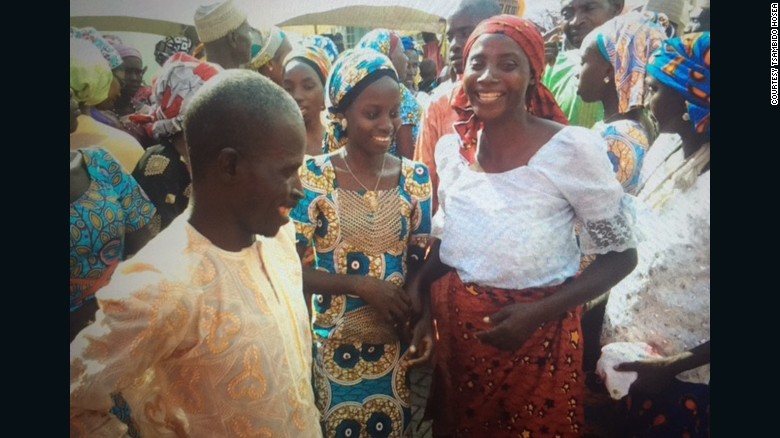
(665, 302)
(507, 304)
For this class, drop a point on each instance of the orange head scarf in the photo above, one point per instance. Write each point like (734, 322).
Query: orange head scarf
(541, 102)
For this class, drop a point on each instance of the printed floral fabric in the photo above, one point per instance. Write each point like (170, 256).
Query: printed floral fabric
(113, 205)
(200, 341)
(627, 42)
(628, 143)
(361, 383)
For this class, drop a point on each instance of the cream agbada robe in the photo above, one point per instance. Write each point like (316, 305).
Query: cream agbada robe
(200, 341)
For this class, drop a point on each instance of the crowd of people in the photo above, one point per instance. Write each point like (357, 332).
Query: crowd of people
(271, 236)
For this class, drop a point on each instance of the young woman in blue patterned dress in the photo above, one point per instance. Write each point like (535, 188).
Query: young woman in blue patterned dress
(366, 214)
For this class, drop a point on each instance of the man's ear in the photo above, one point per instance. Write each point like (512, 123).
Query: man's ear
(227, 165)
(232, 38)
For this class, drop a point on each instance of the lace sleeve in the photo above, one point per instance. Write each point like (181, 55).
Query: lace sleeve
(580, 168)
(614, 233)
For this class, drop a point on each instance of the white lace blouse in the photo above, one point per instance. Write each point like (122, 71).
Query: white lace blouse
(515, 229)
(665, 301)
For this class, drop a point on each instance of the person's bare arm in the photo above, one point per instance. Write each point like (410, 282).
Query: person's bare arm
(654, 375)
(389, 300)
(515, 323)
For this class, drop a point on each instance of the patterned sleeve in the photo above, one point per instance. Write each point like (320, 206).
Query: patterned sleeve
(141, 320)
(578, 165)
(137, 207)
(411, 111)
(302, 215)
(626, 154)
(417, 182)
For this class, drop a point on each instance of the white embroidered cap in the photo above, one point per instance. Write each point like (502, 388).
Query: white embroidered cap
(215, 20)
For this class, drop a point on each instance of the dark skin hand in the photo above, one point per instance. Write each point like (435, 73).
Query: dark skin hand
(514, 324)
(421, 349)
(135, 240)
(389, 300)
(419, 287)
(655, 375)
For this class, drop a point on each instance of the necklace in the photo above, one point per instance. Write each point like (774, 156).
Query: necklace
(371, 196)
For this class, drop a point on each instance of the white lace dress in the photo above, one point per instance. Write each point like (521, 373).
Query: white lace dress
(515, 229)
(665, 301)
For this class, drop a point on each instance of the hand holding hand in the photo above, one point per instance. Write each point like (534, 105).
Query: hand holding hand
(653, 375)
(389, 300)
(421, 350)
(514, 324)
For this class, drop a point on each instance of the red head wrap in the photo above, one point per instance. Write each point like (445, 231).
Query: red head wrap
(541, 102)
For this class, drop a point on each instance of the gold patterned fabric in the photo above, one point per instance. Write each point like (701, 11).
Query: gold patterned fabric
(206, 343)
(360, 376)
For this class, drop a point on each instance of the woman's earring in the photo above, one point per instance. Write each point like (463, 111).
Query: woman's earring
(686, 117)
(606, 79)
(344, 124)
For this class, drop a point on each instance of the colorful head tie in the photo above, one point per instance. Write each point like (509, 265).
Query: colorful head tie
(683, 64)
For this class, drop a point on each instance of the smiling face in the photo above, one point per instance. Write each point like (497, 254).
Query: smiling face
(497, 76)
(270, 179)
(666, 105)
(374, 116)
(582, 16)
(594, 69)
(305, 87)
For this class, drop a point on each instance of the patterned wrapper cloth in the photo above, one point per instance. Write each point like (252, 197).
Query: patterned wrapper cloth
(479, 390)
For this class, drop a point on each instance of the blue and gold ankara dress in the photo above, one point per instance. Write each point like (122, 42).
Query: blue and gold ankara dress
(361, 385)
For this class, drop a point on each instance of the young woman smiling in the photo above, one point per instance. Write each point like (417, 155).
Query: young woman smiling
(366, 214)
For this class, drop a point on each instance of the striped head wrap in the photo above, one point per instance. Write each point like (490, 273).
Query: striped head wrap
(314, 57)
